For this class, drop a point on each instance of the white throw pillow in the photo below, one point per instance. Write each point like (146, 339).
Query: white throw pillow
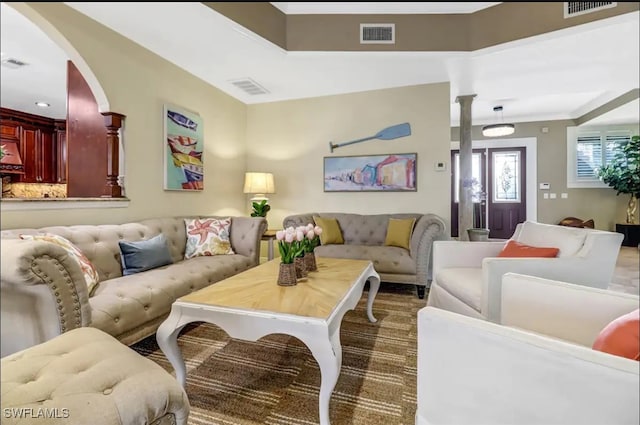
(569, 240)
(207, 236)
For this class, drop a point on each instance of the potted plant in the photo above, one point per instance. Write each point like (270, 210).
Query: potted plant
(311, 241)
(290, 247)
(260, 209)
(623, 174)
(478, 196)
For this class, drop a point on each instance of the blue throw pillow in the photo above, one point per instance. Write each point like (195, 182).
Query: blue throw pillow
(144, 255)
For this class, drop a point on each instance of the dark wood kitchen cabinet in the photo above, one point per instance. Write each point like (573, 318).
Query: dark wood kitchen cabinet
(61, 151)
(38, 156)
(42, 145)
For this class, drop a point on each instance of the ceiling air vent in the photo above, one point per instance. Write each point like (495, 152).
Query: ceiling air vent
(575, 8)
(249, 86)
(377, 33)
(13, 63)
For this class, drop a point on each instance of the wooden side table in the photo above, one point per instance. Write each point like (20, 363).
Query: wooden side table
(269, 236)
(631, 234)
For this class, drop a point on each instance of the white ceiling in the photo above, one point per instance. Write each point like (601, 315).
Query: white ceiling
(560, 75)
(299, 8)
(44, 78)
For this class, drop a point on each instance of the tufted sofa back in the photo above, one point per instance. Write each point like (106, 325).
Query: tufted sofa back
(100, 242)
(357, 229)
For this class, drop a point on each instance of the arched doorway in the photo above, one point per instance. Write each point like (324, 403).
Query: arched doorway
(80, 146)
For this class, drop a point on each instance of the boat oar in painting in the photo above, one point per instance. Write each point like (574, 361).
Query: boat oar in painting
(389, 133)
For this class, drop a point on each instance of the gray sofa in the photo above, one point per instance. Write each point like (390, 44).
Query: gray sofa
(364, 237)
(43, 292)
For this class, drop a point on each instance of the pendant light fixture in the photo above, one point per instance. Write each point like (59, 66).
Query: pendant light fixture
(497, 130)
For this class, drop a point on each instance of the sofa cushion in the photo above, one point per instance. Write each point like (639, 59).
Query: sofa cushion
(520, 250)
(399, 232)
(331, 232)
(120, 305)
(464, 283)
(207, 236)
(385, 259)
(144, 255)
(621, 337)
(568, 239)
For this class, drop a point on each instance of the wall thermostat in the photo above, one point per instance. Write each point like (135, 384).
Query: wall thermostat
(441, 166)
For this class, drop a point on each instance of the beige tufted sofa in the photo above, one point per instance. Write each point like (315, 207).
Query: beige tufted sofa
(43, 292)
(87, 377)
(364, 236)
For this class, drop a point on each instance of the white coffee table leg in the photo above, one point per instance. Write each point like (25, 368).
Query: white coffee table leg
(328, 354)
(374, 285)
(167, 337)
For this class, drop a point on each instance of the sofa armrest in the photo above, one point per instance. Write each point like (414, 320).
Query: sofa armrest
(40, 276)
(448, 254)
(471, 371)
(575, 313)
(567, 269)
(428, 229)
(246, 233)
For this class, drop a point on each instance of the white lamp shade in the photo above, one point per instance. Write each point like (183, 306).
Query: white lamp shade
(259, 183)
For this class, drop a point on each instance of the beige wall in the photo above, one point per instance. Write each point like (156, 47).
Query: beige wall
(137, 83)
(291, 138)
(602, 205)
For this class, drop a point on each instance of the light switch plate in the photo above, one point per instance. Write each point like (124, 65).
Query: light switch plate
(564, 195)
(552, 196)
(545, 196)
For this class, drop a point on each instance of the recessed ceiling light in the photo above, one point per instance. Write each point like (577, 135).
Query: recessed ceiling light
(42, 104)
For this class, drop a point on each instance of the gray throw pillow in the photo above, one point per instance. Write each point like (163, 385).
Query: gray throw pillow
(144, 255)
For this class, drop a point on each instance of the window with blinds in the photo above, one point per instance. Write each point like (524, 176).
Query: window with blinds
(594, 151)
(591, 147)
(589, 156)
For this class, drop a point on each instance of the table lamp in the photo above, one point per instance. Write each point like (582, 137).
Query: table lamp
(258, 184)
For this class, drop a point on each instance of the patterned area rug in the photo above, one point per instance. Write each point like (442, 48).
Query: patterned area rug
(276, 381)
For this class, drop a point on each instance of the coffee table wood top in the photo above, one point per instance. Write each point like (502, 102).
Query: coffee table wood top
(257, 289)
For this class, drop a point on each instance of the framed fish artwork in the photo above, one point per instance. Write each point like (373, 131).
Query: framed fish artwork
(183, 148)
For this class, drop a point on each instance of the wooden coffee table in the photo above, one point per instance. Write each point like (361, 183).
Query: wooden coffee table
(251, 305)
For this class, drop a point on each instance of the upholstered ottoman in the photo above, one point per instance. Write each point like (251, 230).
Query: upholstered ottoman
(86, 376)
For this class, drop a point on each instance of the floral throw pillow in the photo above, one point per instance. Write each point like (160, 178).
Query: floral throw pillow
(207, 236)
(88, 270)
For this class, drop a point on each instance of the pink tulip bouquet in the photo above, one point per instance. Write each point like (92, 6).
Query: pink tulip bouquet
(290, 244)
(312, 237)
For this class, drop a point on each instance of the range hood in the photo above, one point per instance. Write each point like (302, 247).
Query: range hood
(11, 163)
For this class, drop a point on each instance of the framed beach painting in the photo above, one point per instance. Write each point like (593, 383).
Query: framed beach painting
(183, 147)
(372, 173)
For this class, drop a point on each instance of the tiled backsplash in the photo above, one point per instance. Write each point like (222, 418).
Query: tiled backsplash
(34, 190)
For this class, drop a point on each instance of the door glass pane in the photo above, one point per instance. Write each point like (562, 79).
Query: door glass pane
(506, 176)
(475, 172)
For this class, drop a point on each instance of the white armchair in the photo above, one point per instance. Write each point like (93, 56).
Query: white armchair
(536, 367)
(467, 276)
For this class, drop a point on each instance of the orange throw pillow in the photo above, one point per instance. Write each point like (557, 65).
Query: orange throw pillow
(621, 337)
(517, 249)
